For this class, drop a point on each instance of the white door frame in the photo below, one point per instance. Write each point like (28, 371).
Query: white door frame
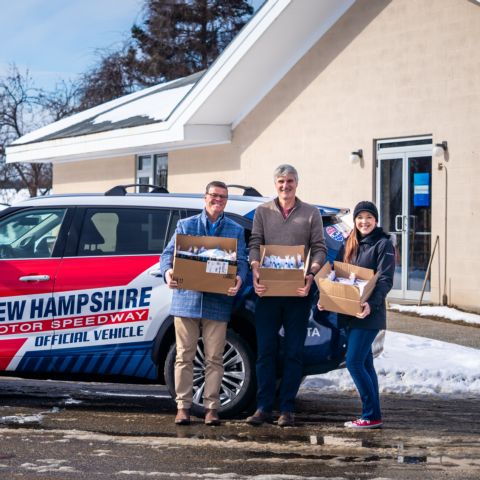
(402, 149)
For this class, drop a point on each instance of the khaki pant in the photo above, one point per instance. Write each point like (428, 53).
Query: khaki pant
(187, 333)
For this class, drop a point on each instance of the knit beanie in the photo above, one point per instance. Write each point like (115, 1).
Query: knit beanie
(366, 207)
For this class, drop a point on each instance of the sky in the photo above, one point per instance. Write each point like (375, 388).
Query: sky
(58, 39)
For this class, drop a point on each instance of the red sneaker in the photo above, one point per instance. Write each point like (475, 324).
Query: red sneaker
(361, 423)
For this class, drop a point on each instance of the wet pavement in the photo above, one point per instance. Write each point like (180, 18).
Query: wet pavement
(81, 430)
(74, 430)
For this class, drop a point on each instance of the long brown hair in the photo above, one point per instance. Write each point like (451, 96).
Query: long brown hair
(351, 246)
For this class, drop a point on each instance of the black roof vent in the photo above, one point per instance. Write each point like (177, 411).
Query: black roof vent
(121, 190)
(247, 191)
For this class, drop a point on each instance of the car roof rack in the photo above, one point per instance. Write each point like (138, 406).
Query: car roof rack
(247, 191)
(121, 190)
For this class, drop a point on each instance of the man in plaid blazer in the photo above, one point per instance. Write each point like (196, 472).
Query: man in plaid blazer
(208, 313)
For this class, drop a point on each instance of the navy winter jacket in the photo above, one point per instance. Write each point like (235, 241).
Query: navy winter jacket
(376, 252)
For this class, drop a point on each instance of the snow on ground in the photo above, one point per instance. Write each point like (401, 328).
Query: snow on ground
(26, 419)
(442, 312)
(414, 365)
(21, 419)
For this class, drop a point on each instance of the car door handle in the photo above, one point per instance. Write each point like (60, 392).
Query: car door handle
(155, 272)
(35, 278)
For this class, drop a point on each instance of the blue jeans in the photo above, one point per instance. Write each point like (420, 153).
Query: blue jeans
(360, 366)
(271, 313)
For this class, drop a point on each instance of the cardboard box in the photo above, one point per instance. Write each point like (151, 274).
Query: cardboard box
(341, 298)
(282, 282)
(203, 275)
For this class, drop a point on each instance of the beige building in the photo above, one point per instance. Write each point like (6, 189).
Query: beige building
(308, 82)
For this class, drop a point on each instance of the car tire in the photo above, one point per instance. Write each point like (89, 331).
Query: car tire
(238, 384)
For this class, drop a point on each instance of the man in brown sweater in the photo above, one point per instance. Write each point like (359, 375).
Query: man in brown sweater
(286, 220)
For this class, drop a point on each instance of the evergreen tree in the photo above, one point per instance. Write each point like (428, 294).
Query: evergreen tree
(175, 38)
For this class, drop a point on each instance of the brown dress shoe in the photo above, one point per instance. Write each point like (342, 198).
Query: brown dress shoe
(211, 417)
(259, 417)
(183, 416)
(286, 419)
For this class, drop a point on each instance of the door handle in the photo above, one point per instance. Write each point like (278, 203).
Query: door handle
(399, 228)
(155, 273)
(35, 278)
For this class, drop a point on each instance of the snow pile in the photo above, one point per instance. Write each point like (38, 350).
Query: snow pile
(21, 419)
(48, 465)
(442, 312)
(414, 365)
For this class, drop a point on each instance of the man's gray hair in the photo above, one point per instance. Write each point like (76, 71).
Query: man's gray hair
(285, 169)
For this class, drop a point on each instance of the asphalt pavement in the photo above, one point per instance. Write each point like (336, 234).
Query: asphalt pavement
(436, 328)
(71, 431)
(83, 431)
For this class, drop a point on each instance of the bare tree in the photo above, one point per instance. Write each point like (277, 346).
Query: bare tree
(24, 108)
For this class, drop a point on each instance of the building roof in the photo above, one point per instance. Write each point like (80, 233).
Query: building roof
(202, 109)
(150, 105)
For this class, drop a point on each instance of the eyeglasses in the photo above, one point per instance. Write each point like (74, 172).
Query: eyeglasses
(217, 196)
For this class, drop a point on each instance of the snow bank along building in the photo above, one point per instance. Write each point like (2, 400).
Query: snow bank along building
(308, 82)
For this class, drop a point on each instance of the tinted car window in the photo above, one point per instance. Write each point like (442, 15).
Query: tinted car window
(123, 231)
(174, 218)
(30, 234)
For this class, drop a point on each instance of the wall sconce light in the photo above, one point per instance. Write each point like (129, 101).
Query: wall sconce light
(356, 157)
(440, 149)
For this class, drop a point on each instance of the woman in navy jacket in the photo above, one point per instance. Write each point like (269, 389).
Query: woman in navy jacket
(370, 247)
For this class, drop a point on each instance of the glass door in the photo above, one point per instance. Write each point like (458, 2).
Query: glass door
(390, 195)
(419, 223)
(404, 188)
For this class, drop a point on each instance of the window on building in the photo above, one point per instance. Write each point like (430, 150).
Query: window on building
(152, 170)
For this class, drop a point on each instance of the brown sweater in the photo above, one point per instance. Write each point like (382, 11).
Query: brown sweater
(303, 226)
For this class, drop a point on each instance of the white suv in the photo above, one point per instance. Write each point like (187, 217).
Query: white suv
(80, 292)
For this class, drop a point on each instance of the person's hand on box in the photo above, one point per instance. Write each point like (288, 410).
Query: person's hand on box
(232, 291)
(169, 279)
(258, 287)
(365, 311)
(303, 291)
(320, 307)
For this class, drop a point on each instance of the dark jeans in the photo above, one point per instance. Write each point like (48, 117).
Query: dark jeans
(271, 314)
(360, 366)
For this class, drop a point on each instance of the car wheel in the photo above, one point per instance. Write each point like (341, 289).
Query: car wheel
(238, 384)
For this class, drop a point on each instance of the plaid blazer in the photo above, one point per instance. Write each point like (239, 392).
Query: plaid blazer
(213, 306)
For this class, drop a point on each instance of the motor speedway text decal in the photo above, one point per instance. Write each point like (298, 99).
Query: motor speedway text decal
(72, 311)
